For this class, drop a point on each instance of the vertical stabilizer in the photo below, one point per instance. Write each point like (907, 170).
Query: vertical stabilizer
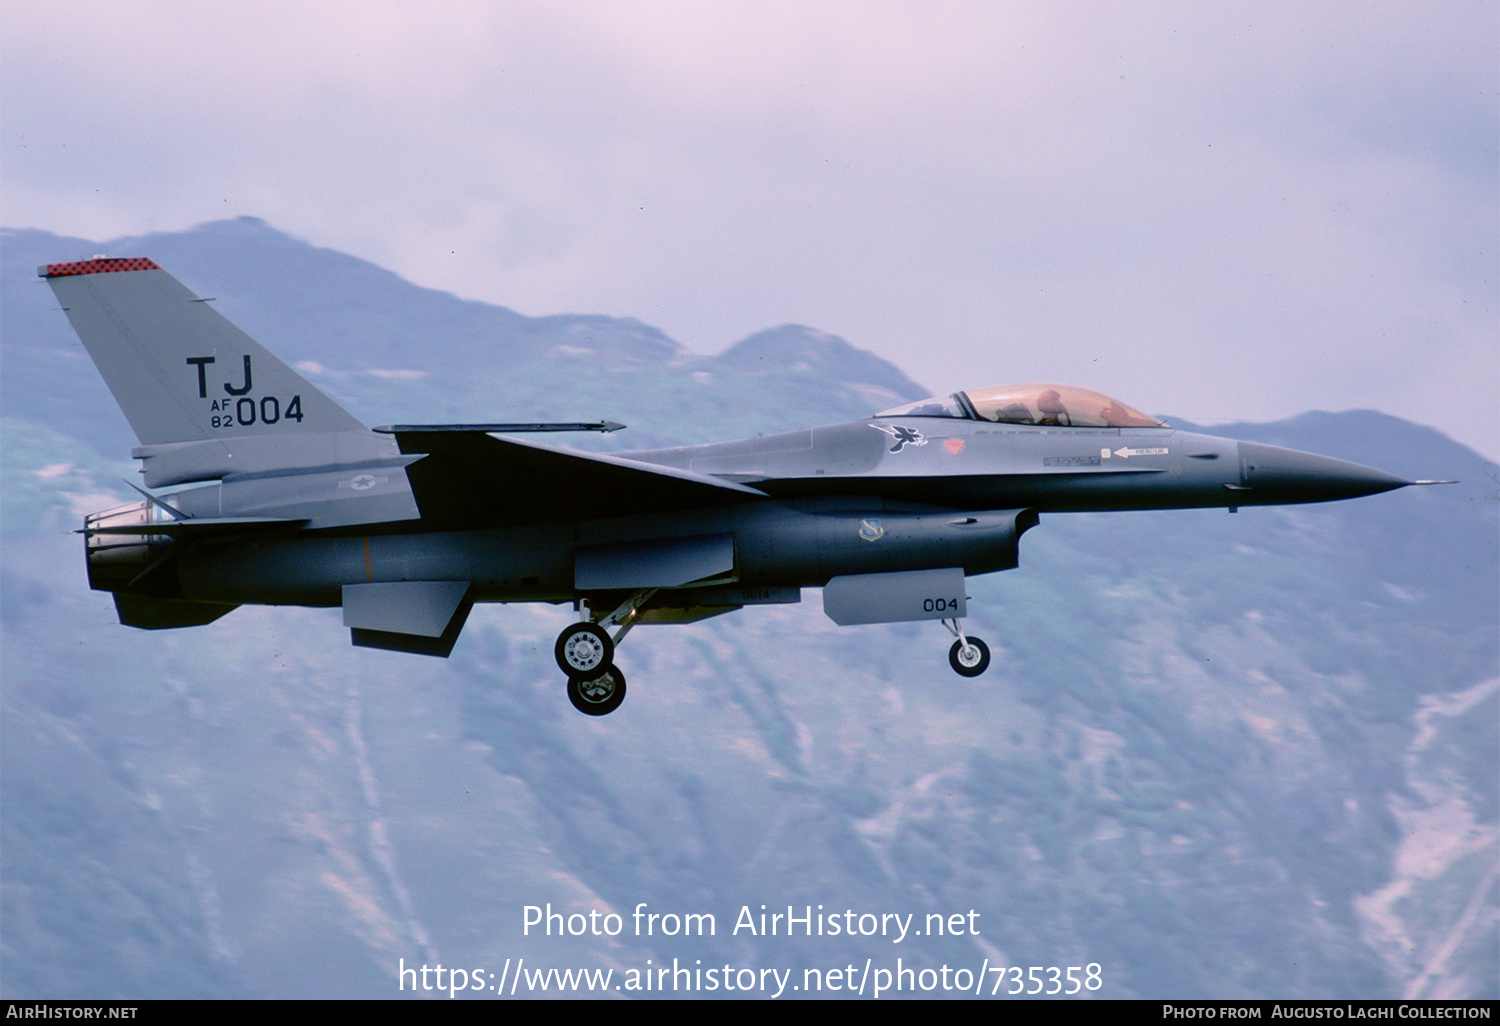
(178, 369)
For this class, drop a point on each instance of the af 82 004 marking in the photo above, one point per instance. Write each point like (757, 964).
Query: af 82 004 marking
(247, 411)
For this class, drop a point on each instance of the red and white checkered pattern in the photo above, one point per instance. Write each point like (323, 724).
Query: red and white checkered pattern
(108, 265)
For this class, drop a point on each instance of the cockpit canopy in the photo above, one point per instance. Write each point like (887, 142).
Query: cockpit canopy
(1042, 404)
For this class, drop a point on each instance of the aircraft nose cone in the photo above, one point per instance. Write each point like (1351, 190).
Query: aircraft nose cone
(1277, 475)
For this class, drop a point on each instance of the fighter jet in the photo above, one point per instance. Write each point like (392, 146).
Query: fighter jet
(278, 496)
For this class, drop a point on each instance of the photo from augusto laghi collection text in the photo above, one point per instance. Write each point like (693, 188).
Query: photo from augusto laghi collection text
(872, 977)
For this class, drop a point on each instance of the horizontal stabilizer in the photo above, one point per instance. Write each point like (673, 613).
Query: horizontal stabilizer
(421, 617)
(416, 644)
(404, 607)
(471, 479)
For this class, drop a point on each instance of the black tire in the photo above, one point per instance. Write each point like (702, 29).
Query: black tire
(971, 663)
(583, 650)
(600, 695)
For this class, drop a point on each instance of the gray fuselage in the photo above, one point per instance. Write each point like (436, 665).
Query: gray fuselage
(940, 492)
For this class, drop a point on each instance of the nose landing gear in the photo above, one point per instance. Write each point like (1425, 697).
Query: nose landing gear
(969, 656)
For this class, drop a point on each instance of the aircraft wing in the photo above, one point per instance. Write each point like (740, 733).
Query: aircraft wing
(471, 479)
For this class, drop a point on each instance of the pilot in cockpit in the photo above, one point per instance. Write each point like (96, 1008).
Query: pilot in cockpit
(1053, 412)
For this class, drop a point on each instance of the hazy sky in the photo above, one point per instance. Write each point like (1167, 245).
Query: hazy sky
(1215, 210)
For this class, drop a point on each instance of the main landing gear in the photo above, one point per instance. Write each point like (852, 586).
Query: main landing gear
(969, 656)
(585, 652)
(584, 648)
(599, 695)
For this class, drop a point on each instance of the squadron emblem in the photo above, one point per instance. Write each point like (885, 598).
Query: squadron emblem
(904, 436)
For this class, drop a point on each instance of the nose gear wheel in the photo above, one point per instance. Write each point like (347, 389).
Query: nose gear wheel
(969, 656)
(969, 660)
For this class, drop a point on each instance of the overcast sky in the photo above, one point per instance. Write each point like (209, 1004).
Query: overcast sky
(1218, 211)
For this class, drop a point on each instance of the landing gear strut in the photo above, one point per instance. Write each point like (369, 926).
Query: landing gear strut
(586, 653)
(969, 656)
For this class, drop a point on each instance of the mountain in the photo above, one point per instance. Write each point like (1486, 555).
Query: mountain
(1226, 756)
